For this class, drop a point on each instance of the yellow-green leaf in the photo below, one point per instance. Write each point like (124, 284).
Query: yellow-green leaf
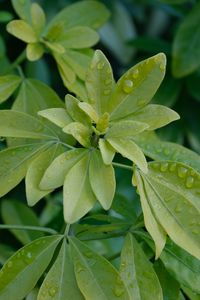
(137, 86)
(38, 18)
(58, 116)
(130, 150)
(96, 277)
(60, 282)
(78, 194)
(80, 132)
(107, 151)
(36, 171)
(76, 113)
(102, 179)
(99, 82)
(125, 129)
(8, 84)
(34, 51)
(22, 30)
(137, 272)
(55, 174)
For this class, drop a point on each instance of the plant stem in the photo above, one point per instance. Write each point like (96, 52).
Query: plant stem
(67, 145)
(17, 62)
(66, 233)
(122, 166)
(33, 228)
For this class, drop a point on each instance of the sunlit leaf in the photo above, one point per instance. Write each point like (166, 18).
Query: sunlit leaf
(130, 150)
(17, 213)
(58, 116)
(102, 179)
(37, 17)
(137, 86)
(21, 272)
(22, 8)
(19, 124)
(22, 30)
(107, 151)
(14, 162)
(99, 82)
(80, 132)
(36, 171)
(172, 191)
(60, 282)
(154, 115)
(78, 194)
(96, 277)
(34, 51)
(8, 84)
(126, 129)
(55, 174)
(137, 272)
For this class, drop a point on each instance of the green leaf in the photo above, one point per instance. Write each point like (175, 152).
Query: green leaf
(137, 86)
(22, 8)
(99, 82)
(130, 150)
(22, 30)
(184, 267)
(58, 116)
(21, 272)
(191, 294)
(67, 74)
(34, 51)
(76, 113)
(78, 194)
(153, 227)
(55, 174)
(137, 272)
(80, 132)
(5, 16)
(93, 14)
(102, 179)
(154, 115)
(172, 193)
(96, 277)
(170, 286)
(89, 110)
(8, 84)
(35, 96)
(193, 85)
(186, 46)
(38, 18)
(36, 171)
(78, 37)
(107, 151)
(60, 282)
(17, 213)
(125, 208)
(78, 61)
(21, 125)
(125, 129)
(156, 149)
(14, 162)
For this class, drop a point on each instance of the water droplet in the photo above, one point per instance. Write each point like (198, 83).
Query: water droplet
(182, 172)
(135, 74)
(156, 165)
(189, 182)
(166, 151)
(107, 81)
(158, 150)
(100, 65)
(128, 86)
(192, 172)
(29, 254)
(106, 92)
(195, 231)
(10, 264)
(164, 167)
(52, 292)
(141, 102)
(172, 167)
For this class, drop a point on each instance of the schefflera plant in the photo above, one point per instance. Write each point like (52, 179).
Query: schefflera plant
(66, 37)
(105, 124)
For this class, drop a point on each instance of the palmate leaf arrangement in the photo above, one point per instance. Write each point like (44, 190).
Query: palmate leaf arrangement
(74, 145)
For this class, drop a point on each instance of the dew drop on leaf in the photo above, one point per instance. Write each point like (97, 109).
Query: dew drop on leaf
(182, 172)
(189, 182)
(52, 292)
(10, 264)
(128, 86)
(135, 74)
(172, 167)
(100, 65)
(164, 167)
